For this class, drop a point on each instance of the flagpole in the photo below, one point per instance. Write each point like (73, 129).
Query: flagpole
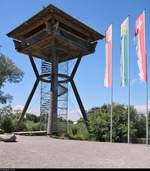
(111, 115)
(129, 80)
(147, 115)
(108, 81)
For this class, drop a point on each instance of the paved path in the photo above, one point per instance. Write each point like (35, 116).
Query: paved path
(45, 152)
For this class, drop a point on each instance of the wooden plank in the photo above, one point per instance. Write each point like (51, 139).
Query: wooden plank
(37, 37)
(74, 22)
(28, 25)
(77, 36)
(43, 41)
(69, 40)
(45, 15)
(62, 57)
(69, 43)
(76, 27)
(31, 133)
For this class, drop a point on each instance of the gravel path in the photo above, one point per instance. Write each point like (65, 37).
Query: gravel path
(45, 152)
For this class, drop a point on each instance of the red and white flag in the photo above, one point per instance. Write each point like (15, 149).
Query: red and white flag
(141, 46)
(108, 49)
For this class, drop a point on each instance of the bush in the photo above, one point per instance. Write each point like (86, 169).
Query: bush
(78, 131)
(32, 117)
(32, 126)
(7, 124)
(1, 131)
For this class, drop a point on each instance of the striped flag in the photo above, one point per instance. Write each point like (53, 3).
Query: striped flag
(124, 52)
(108, 49)
(141, 46)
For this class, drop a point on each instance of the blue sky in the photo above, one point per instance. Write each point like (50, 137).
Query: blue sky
(98, 14)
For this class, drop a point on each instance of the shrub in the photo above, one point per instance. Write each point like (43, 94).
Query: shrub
(32, 126)
(1, 131)
(7, 124)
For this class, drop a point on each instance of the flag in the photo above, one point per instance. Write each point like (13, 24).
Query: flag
(124, 52)
(141, 46)
(108, 49)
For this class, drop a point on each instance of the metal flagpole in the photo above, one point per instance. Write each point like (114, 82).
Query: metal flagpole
(111, 114)
(128, 80)
(109, 83)
(147, 115)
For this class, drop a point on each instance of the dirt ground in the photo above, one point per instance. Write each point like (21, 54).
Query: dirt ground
(45, 152)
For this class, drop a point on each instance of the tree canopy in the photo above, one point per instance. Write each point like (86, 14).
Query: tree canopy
(9, 72)
(99, 124)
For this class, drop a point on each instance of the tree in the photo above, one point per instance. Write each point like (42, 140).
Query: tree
(32, 117)
(9, 72)
(6, 122)
(99, 124)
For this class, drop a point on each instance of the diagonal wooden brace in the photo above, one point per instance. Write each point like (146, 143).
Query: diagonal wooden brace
(75, 68)
(34, 66)
(77, 94)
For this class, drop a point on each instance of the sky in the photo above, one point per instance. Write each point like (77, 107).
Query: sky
(98, 14)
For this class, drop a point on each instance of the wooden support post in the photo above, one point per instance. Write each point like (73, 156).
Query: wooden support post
(52, 118)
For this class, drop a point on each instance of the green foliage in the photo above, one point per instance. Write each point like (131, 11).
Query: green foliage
(1, 131)
(6, 123)
(120, 121)
(32, 126)
(78, 131)
(32, 117)
(62, 127)
(9, 72)
(99, 124)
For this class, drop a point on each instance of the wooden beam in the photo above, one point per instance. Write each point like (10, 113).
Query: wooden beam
(80, 103)
(75, 68)
(52, 118)
(34, 66)
(69, 24)
(27, 27)
(73, 41)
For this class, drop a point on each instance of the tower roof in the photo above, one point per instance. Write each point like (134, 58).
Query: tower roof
(72, 37)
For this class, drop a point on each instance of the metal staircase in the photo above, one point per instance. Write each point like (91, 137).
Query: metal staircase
(62, 97)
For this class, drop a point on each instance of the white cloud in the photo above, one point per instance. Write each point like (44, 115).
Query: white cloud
(74, 115)
(142, 108)
(20, 108)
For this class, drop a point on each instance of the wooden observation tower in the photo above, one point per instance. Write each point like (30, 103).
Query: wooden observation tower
(56, 37)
